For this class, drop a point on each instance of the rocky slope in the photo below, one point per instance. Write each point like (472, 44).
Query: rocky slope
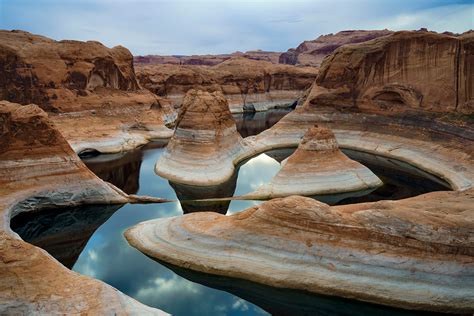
(255, 85)
(38, 169)
(92, 89)
(404, 71)
(207, 60)
(312, 53)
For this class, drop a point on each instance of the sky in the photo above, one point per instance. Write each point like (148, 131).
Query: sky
(185, 27)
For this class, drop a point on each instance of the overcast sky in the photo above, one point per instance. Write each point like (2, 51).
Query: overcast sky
(210, 26)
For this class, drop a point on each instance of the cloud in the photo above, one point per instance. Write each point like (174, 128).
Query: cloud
(211, 26)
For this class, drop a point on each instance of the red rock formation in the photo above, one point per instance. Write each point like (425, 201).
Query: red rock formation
(312, 53)
(38, 169)
(406, 70)
(207, 60)
(93, 88)
(242, 81)
(205, 142)
(36, 69)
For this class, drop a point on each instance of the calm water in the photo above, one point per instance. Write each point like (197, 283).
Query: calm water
(90, 239)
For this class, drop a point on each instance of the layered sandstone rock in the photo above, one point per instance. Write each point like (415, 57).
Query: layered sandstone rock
(415, 253)
(312, 53)
(403, 71)
(91, 88)
(38, 169)
(247, 84)
(318, 167)
(206, 60)
(205, 142)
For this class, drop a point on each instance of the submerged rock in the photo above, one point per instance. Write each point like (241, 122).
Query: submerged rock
(205, 142)
(415, 253)
(318, 167)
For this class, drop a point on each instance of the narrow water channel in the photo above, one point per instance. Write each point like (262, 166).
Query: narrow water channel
(90, 239)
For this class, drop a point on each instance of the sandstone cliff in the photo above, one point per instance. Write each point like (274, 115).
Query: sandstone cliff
(92, 89)
(406, 70)
(36, 69)
(312, 53)
(241, 80)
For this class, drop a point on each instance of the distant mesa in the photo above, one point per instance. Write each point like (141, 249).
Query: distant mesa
(312, 53)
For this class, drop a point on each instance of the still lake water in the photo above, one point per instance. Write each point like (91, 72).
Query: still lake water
(90, 239)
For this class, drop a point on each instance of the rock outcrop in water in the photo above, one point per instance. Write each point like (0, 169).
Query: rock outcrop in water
(247, 84)
(318, 167)
(205, 142)
(312, 53)
(91, 89)
(403, 71)
(38, 169)
(415, 253)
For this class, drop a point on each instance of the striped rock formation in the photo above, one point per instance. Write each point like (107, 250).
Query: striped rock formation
(415, 253)
(318, 167)
(38, 170)
(205, 142)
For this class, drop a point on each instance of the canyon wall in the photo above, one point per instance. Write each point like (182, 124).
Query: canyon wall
(312, 53)
(408, 70)
(39, 70)
(241, 80)
(90, 91)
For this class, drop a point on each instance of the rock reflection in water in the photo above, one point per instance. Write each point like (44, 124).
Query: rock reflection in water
(63, 233)
(400, 179)
(187, 193)
(279, 301)
(254, 123)
(122, 170)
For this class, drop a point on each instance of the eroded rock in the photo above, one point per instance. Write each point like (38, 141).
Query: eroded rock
(90, 91)
(205, 142)
(318, 167)
(423, 71)
(38, 169)
(415, 253)
(312, 53)
(245, 83)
